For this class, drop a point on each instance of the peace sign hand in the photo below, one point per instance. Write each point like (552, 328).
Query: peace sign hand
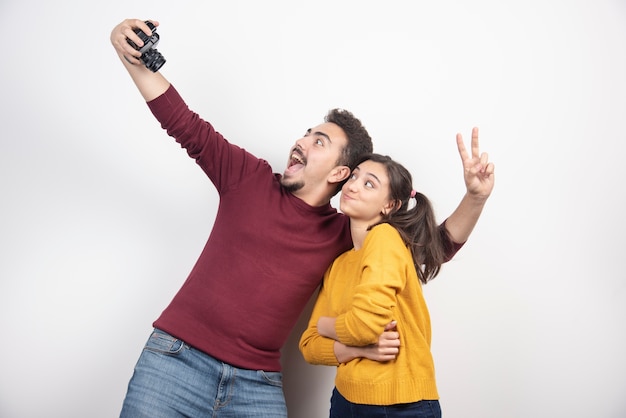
(478, 172)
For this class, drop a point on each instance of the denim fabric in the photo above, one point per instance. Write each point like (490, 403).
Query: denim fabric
(340, 407)
(173, 380)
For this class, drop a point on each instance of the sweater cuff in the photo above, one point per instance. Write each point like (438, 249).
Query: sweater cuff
(450, 247)
(327, 352)
(162, 105)
(342, 330)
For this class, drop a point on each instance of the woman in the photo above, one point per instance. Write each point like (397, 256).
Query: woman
(397, 248)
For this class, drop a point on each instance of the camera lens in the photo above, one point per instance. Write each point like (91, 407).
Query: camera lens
(153, 60)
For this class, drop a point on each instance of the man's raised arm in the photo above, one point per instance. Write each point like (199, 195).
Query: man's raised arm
(150, 84)
(479, 177)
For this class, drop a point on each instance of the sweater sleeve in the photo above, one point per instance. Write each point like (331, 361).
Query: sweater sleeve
(450, 247)
(224, 163)
(383, 268)
(185, 126)
(314, 348)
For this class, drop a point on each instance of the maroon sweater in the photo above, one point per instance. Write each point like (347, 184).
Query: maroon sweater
(264, 258)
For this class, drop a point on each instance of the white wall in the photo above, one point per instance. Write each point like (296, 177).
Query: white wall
(103, 215)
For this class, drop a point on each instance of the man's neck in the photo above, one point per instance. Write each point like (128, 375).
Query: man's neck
(313, 198)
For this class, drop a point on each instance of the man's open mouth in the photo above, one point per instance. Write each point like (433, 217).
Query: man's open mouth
(296, 161)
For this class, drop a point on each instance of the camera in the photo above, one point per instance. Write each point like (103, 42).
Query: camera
(149, 55)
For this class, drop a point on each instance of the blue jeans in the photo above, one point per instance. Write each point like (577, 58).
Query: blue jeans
(340, 407)
(173, 380)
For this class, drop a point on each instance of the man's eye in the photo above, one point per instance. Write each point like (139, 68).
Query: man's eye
(319, 141)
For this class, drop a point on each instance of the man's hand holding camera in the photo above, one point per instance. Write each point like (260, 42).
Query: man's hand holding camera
(135, 41)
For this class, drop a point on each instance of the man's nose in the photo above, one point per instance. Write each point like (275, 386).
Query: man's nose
(303, 142)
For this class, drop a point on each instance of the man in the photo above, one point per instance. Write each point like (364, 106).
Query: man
(215, 350)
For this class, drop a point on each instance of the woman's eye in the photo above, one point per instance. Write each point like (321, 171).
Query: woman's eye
(369, 184)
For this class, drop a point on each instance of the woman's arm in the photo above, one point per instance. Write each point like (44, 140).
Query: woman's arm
(479, 177)
(382, 270)
(387, 348)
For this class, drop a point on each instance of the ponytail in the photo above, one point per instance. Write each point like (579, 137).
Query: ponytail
(419, 230)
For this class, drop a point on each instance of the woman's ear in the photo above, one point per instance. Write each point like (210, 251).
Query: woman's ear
(339, 174)
(391, 206)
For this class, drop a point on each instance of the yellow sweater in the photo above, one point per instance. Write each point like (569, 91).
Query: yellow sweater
(366, 289)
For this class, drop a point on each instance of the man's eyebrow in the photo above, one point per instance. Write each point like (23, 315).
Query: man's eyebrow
(322, 134)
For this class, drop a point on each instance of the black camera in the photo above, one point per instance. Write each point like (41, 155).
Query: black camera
(149, 55)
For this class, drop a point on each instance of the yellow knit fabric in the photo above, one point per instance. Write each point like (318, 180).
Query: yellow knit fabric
(366, 289)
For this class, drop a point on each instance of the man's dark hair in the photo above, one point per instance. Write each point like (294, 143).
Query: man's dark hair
(359, 140)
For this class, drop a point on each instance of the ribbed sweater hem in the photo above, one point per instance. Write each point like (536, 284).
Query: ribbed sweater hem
(388, 393)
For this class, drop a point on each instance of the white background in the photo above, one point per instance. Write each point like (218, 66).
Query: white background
(103, 215)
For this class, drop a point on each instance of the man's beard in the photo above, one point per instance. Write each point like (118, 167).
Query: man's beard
(291, 187)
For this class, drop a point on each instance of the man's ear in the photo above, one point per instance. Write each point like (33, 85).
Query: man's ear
(339, 174)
